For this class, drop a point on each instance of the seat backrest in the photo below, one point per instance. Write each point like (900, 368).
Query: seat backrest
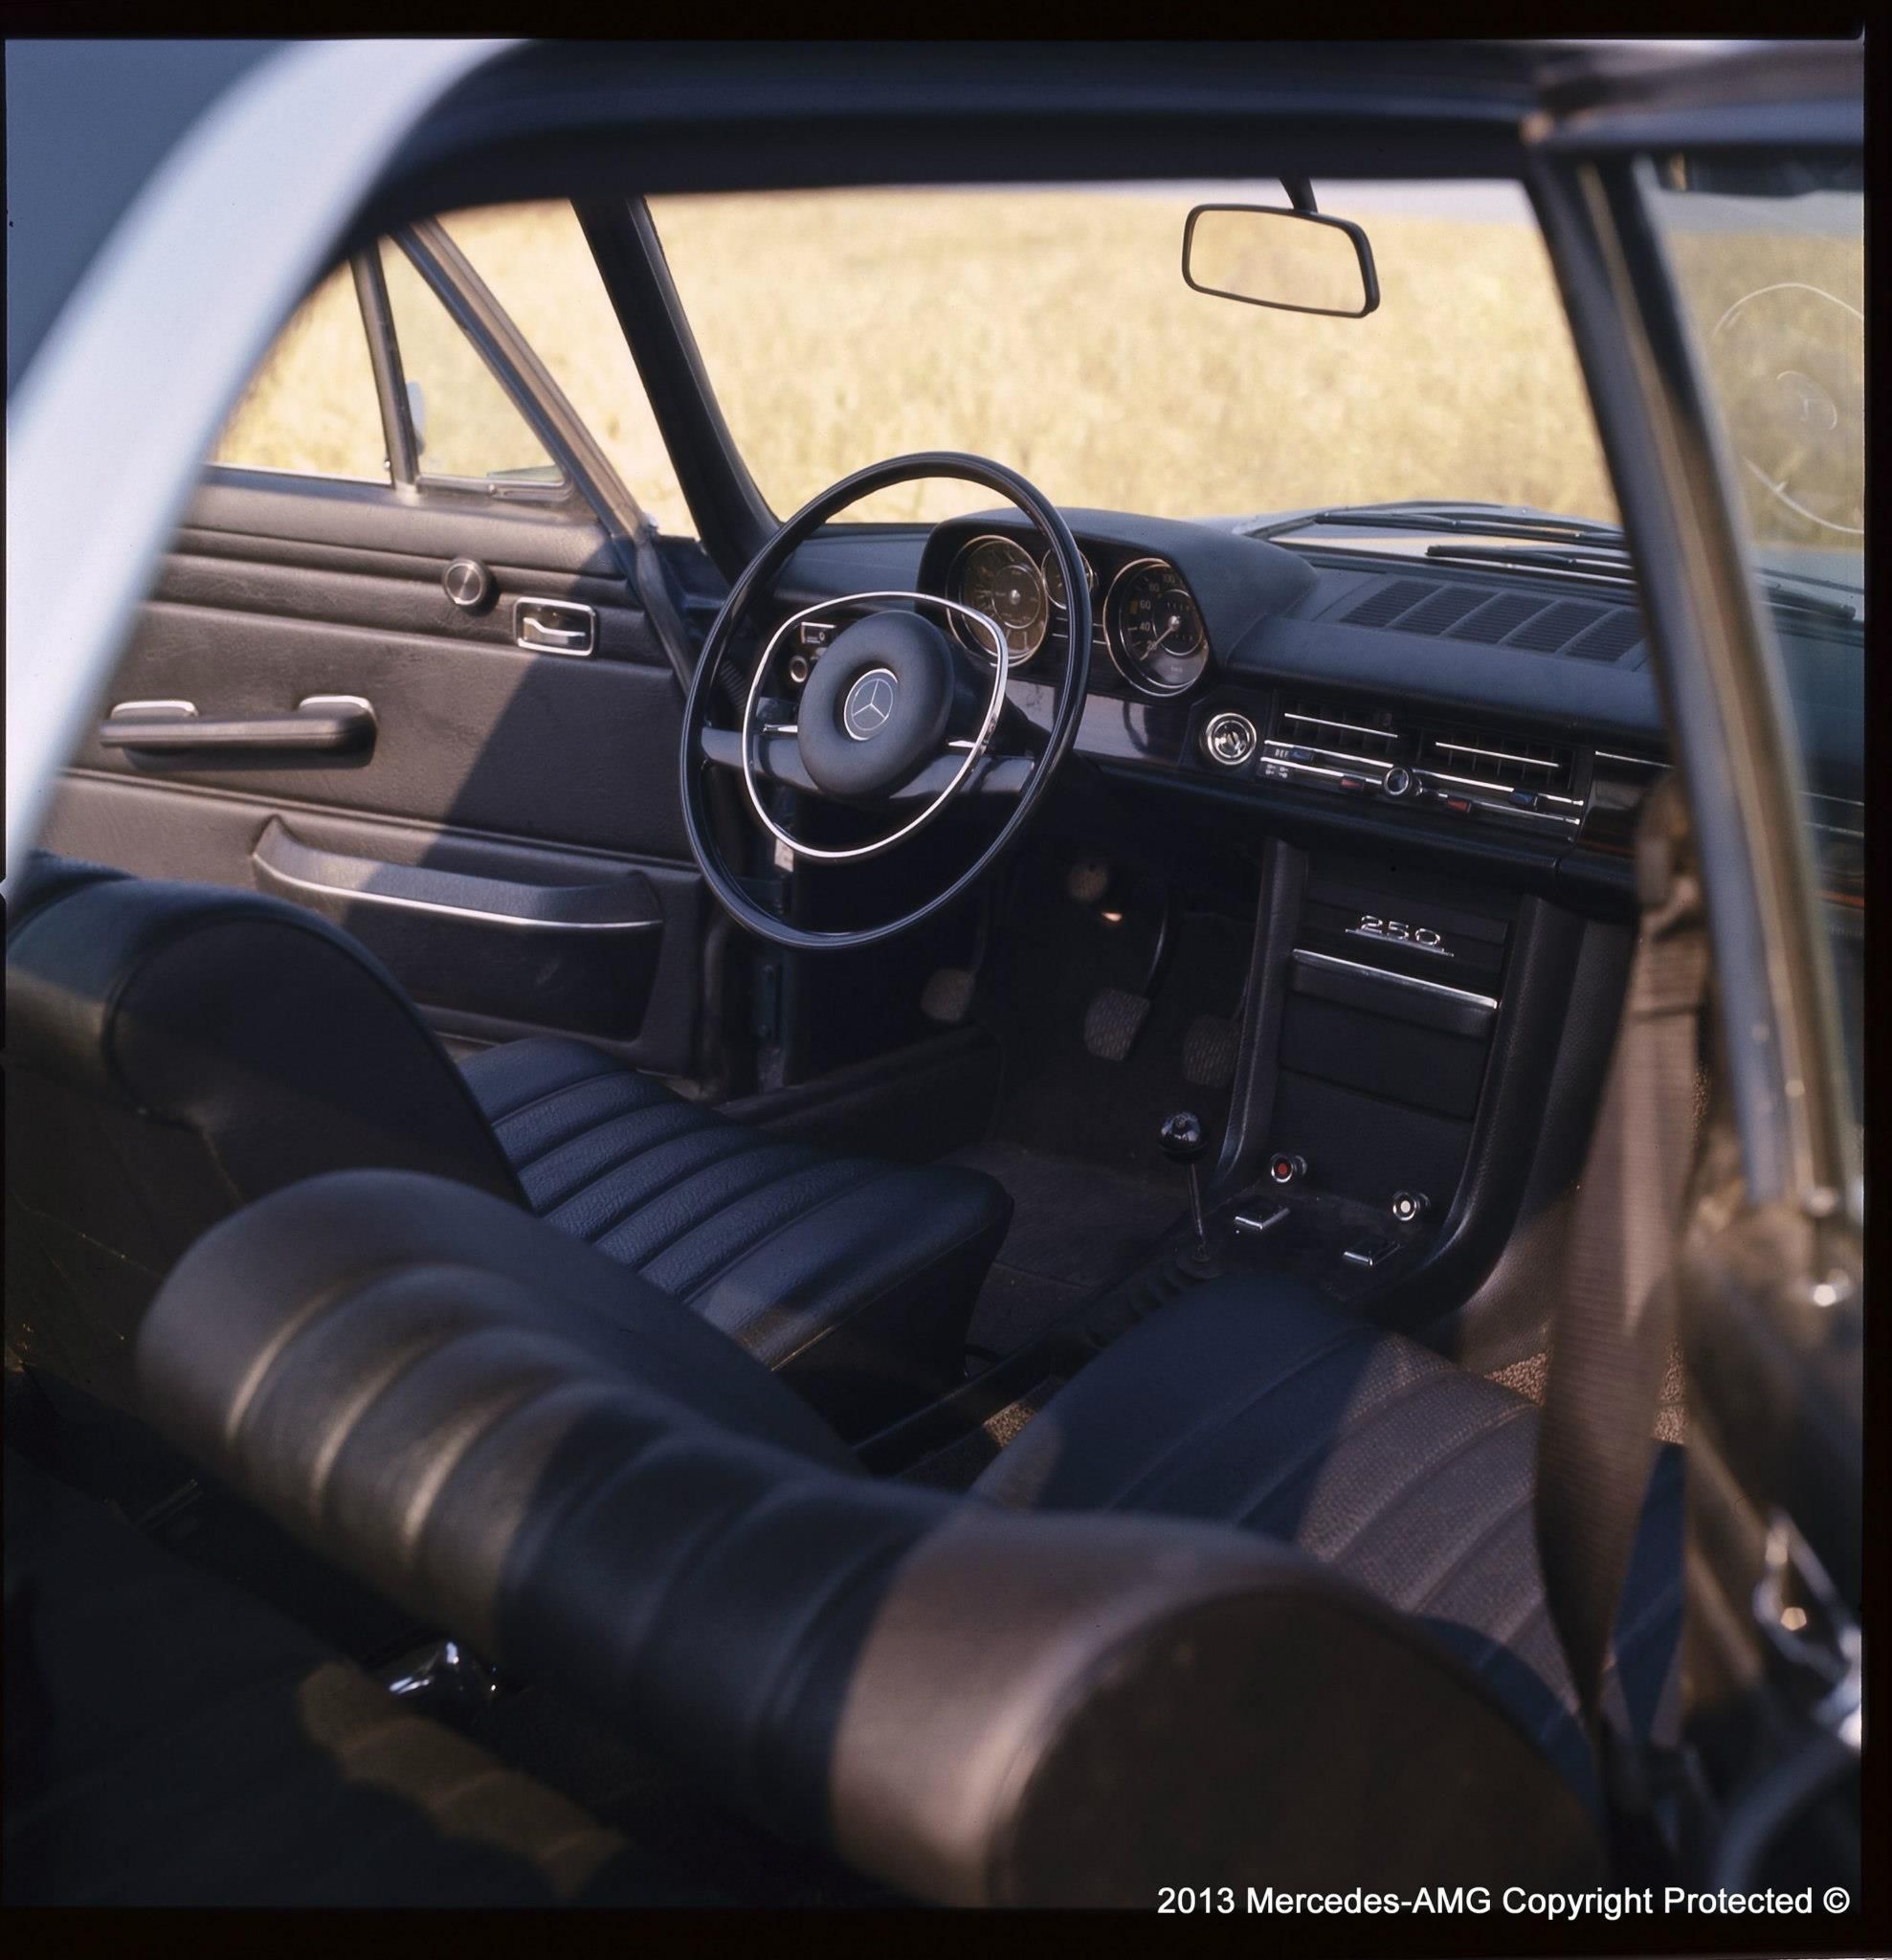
(972, 1705)
(174, 1051)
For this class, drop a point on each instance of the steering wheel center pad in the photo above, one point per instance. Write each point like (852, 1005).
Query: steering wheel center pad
(860, 746)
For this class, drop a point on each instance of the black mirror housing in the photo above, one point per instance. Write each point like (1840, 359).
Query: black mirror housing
(1337, 261)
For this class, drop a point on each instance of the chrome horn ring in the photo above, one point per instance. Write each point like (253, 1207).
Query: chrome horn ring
(974, 750)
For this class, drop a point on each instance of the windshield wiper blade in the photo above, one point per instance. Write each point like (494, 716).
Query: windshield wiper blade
(1614, 565)
(1490, 520)
(1598, 564)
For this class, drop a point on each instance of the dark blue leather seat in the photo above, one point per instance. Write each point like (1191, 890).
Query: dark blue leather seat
(176, 1051)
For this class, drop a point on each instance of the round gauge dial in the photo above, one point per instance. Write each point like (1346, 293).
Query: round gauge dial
(1156, 633)
(997, 578)
(1054, 579)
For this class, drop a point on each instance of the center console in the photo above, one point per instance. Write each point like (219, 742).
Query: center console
(1395, 1083)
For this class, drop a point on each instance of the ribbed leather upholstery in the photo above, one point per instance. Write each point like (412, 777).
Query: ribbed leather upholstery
(973, 1706)
(855, 1279)
(177, 1050)
(222, 1757)
(1258, 1405)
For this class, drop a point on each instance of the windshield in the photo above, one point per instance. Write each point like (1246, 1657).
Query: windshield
(1050, 327)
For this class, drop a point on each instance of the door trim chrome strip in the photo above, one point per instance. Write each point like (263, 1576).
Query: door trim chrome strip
(356, 895)
(1307, 957)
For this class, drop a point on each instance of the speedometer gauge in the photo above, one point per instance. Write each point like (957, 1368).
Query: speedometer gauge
(997, 577)
(1156, 633)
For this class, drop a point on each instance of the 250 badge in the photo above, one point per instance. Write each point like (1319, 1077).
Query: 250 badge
(1421, 938)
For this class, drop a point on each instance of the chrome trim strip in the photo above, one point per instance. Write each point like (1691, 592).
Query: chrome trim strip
(1327, 722)
(354, 893)
(1491, 797)
(1529, 762)
(1307, 957)
(1432, 777)
(1639, 762)
(1371, 762)
(1411, 946)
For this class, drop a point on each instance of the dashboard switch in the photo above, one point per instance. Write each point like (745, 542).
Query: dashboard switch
(1285, 1168)
(1397, 782)
(1409, 1206)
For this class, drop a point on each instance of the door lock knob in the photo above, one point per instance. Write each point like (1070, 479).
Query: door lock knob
(469, 585)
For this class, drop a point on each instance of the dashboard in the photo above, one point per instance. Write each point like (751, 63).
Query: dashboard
(1473, 711)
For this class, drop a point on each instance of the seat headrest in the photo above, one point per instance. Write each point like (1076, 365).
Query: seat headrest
(266, 1029)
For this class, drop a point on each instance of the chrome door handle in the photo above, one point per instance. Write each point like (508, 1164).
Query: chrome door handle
(554, 626)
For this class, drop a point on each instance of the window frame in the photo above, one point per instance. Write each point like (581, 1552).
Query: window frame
(404, 450)
(1718, 664)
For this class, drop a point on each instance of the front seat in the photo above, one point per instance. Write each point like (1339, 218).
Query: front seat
(176, 1051)
(1111, 1665)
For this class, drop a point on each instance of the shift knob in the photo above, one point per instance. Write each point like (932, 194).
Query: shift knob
(1181, 1138)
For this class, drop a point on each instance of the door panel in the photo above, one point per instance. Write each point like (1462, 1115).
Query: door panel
(539, 772)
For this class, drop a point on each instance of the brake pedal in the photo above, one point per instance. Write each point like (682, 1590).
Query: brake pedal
(947, 997)
(1112, 1022)
(1209, 1051)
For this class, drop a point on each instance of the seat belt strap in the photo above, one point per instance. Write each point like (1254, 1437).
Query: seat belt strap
(1614, 1326)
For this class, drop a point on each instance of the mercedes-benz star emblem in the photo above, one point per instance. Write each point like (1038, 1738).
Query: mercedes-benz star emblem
(869, 704)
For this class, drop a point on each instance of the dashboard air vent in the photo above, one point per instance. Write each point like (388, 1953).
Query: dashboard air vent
(1555, 626)
(1493, 621)
(1384, 605)
(1339, 731)
(1480, 614)
(1612, 638)
(1444, 609)
(1480, 761)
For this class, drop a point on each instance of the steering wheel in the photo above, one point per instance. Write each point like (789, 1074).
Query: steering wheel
(890, 719)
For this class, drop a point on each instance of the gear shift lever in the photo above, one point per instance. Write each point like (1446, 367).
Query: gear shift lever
(1183, 1141)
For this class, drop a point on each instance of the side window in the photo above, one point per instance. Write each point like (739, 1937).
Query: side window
(535, 260)
(466, 426)
(312, 407)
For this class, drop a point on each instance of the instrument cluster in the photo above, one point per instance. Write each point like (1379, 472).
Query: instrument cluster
(1147, 618)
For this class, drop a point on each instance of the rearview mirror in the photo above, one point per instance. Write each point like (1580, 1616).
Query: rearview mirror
(1300, 261)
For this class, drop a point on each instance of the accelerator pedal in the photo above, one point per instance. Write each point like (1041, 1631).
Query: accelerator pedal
(1112, 1022)
(1209, 1051)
